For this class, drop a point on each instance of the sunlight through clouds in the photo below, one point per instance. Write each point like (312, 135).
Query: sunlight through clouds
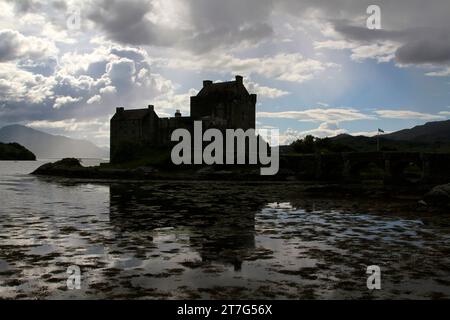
(291, 53)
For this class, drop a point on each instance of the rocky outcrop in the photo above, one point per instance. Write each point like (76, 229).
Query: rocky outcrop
(439, 196)
(72, 168)
(15, 151)
(60, 167)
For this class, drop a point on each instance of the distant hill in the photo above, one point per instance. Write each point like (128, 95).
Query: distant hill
(430, 137)
(431, 132)
(14, 151)
(45, 145)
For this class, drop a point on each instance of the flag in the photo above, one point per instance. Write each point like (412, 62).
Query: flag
(380, 131)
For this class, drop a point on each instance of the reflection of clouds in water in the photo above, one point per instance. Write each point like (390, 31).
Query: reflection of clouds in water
(205, 240)
(219, 228)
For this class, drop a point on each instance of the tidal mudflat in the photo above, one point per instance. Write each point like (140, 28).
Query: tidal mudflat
(174, 240)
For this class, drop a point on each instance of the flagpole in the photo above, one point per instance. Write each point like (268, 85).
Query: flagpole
(378, 141)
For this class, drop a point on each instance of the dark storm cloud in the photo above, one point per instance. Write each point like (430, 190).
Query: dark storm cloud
(218, 38)
(433, 49)
(9, 46)
(421, 28)
(213, 24)
(45, 67)
(359, 33)
(23, 6)
(418, 45)
(125, 22)
(421, 31)
(130, 53)
(60, 5)
(222, 24)
(229, 22)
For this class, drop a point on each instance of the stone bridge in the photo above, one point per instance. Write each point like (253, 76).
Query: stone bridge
(392, 167)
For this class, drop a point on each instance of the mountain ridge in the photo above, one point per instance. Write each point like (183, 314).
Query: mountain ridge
(46, 145)
(429, 137)
(429, 132)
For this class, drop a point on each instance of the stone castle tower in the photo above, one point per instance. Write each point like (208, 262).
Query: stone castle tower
(224, 105)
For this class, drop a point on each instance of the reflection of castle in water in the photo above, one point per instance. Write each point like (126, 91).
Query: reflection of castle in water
(222, 222)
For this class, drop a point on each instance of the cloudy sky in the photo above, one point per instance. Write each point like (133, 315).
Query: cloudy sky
(316, 67)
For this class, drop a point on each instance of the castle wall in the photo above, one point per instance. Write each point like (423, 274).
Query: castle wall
(168, 125)
(237, 114)
(125, 130)
(223, 106)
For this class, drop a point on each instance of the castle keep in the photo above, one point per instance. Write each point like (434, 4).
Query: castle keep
(225, 105)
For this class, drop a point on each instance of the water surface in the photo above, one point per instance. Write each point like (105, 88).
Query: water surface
(209, 240)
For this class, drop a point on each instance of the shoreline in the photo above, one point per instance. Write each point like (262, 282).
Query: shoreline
(71, 170)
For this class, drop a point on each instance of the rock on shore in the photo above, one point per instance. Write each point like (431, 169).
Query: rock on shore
(439, 196)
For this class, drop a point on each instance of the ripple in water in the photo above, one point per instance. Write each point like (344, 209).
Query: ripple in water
(209, 240)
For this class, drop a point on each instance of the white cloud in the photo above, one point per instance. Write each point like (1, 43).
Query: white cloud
(14, 45)
(167, 104)
(22, 86)
(291, 67)
(57, 34)
(334, 44)
(62, 101)
(444, 72)
(367, 133)
(263, 91)
(319, 115)
(105, 76)
(382, 51)
(108, 90)
(406, 114)
(95, 99)
(326, 129)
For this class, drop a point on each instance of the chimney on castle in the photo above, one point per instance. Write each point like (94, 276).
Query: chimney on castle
(120, 110)
(207, 83)
(151, 107)
(239, 79)
(178, 114)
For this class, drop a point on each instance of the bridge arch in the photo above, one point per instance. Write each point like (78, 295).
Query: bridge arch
(404, 167)
(363, 166)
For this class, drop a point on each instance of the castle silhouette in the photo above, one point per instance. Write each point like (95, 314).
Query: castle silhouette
(224, 105)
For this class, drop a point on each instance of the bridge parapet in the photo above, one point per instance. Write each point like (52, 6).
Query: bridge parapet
(392, 167)
(436, 167)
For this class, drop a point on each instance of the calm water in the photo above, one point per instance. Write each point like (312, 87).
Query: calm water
(214, 240)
